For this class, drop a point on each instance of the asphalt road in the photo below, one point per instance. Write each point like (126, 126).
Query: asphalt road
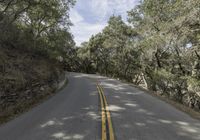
(74, 113)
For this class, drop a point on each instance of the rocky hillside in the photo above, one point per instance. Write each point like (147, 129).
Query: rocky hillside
(25, 79)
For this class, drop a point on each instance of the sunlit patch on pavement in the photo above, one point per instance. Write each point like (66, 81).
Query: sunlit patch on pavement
(51, 123)
(133, 93)
(67, 118)
(182, 123)
(131, 104)
(115, 108)
(165, 121)
(188, 128)
(113, 86)
(140, 124)
(58, 135)
(93, 115)
(117, 97)
(63, 136)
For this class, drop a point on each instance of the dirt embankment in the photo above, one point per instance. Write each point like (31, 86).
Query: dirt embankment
(26, 78)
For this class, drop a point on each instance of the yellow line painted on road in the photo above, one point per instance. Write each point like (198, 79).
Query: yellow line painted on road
(105, 109)
(111, 133)
(103, 117)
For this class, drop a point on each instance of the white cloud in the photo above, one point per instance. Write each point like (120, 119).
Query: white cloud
(100, 8)
(82, 31)
(90, 16)
(75, 17)
(104, 8)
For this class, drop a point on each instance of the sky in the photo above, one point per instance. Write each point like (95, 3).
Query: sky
(89, 17)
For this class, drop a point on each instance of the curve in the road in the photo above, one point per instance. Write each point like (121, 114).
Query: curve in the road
(73, 114)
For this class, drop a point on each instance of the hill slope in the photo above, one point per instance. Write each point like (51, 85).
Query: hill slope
(25, 79)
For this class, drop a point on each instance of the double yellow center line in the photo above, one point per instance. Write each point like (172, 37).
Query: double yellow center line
(107, 128)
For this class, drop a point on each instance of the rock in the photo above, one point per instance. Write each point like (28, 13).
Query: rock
(42, 88)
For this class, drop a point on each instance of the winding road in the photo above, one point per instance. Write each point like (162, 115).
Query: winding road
(93, 107)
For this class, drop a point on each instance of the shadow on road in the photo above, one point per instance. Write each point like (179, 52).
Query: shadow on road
(137, 115)
(74, 114)
(58, 128)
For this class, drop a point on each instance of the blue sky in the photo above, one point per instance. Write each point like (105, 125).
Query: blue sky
(90, 16)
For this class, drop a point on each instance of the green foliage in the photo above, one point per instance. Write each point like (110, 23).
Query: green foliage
(194, 85)
(37, 25)
(159, 48)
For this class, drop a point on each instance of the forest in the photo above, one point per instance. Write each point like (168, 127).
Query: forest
(158, 49)
(34, 42)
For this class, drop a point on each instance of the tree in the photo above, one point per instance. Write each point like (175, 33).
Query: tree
(37, 25)
(159, 48)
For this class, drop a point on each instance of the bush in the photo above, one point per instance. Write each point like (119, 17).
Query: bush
(194, 85)
(168, 84)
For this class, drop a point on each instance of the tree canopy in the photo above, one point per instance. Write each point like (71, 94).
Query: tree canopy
(158, 49)
(37, 25)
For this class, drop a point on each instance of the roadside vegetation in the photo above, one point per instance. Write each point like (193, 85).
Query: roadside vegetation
(35, 43)
(158, 49)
